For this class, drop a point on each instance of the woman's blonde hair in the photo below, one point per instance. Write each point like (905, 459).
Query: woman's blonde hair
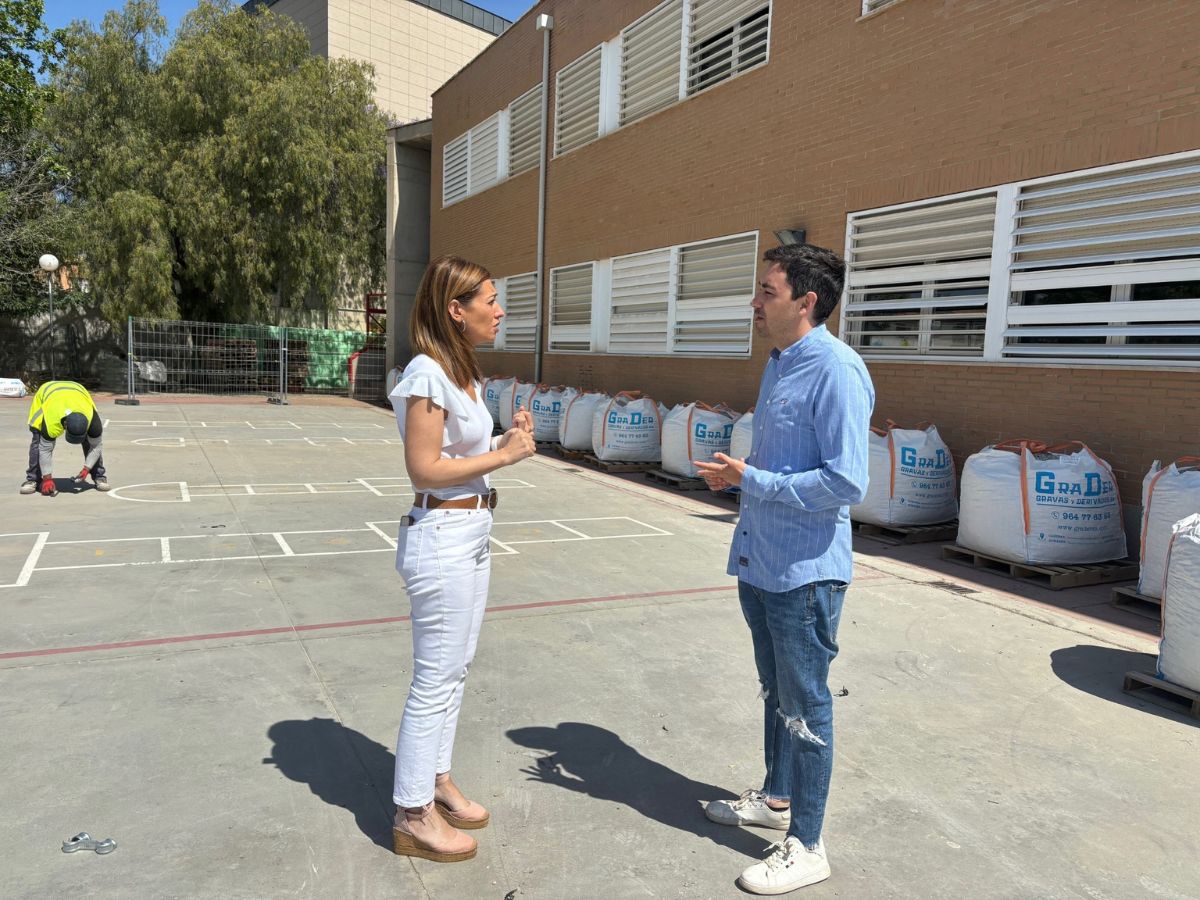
(433, 330)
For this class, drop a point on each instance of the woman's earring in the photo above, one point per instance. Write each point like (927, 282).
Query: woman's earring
(462, 326)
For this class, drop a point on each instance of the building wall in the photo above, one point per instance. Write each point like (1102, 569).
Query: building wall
(313, 15)
(926, 98)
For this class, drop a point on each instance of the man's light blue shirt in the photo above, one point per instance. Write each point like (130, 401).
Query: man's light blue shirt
(807, 466)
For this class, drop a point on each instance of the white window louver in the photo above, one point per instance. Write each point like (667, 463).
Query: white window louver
(520, 320)
(577, 103)
(712, 300)
(454, 170)
(524, 131)
(485, 154)
(725, 38)
(918, 278)
(870, 6)
(641, 296)
(1107, 265)
(571, 308)
(650, 61)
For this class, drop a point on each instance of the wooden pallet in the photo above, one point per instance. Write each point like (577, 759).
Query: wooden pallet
(679, 482)
(567, 453)
(1128, 598)
(1162, 693)
(906, 534)
(616, 467)
(1056, 578)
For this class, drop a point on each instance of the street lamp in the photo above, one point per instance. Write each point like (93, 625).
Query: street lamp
(49, 264)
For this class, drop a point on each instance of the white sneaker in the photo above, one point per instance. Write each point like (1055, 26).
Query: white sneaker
(790, 866)
(29, 487)
(749, 809)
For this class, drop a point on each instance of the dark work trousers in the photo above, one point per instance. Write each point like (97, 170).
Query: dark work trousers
(34, 472)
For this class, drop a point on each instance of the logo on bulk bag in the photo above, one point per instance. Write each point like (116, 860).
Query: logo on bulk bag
(633, 418)
(910, 460)
(723, 433)
(1050, 489)
(552, 408)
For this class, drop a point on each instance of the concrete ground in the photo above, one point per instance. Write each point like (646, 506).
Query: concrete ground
(208, 665)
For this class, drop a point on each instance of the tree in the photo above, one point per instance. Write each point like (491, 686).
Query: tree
(27, 49)
(231, 172)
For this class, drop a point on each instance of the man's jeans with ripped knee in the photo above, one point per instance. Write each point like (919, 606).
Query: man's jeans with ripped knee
(795, 640)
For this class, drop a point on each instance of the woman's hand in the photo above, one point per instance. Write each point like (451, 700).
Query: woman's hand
(523, 420)
(516, 444)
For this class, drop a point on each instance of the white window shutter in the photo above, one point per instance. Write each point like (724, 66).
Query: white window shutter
(870, 6)
(918, 278)
(454, 170)
(524, 131)
(712, 305)
(485, 154)
(577, 103)
(641, 297)
(725, 38)
(571, 308)
(520, 327)
(650, 59)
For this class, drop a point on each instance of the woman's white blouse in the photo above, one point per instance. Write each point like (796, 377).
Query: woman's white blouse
(468, 426)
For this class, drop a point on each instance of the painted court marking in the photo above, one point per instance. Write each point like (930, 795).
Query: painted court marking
(185, 492)
(181, 549)
(176, 442)
(285, 424)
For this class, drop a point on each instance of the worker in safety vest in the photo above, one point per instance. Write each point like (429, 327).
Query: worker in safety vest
(63, 409)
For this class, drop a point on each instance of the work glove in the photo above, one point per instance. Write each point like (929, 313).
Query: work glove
(48, 488)
(82, 476)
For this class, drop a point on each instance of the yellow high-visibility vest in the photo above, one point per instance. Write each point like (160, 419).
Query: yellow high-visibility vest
(54, 401)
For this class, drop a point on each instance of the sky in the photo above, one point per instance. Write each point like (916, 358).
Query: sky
(62, 12)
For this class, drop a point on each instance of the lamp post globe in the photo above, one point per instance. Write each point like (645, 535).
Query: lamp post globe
(48, 262)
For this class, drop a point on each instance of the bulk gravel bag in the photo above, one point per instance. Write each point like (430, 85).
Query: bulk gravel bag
(1168, 495)
(493, 388)
(547, 407)
(514, 397)
(628, 428)
(575, 425)
(742, 436)
(695, 431)
(1179, 649)
(12, 387)
(1024, 502)
(911, 478)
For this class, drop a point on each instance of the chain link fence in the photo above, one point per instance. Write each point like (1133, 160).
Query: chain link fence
(175, 357)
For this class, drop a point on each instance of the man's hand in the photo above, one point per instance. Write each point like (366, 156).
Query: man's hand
(82, 476)
(523, 420)
(48, 488)
(725, 469)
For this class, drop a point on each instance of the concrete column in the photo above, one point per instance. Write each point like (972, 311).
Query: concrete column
(407, 239)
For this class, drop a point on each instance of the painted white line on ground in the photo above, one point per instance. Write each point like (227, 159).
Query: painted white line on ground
(167, 557)
(282, 424)
(31, 559)
(380, 486)
(181, 442)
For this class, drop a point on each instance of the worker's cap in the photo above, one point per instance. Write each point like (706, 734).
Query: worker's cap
(76, 425)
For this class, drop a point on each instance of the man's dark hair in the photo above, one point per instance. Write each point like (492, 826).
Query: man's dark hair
(811, 268)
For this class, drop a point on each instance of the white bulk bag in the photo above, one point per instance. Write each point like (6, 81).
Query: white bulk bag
(513, 397)
(743, 435)
(575, 425)
(1168, 495)
(628, 428)
(12, 387)
(911, 478)
(547, 406)
(1179, 650)
(492, 389)
(695, 431)
(1028, 503)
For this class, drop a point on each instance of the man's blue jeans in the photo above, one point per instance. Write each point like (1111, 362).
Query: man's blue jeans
(795, 640)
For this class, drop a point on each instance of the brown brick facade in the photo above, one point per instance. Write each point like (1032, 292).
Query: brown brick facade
(927, 98)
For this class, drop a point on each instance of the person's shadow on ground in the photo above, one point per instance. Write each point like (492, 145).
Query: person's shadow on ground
(342, 767)
(594, 761)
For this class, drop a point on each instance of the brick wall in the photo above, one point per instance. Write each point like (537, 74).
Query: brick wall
(928, 97)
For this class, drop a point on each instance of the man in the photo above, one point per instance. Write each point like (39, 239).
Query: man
(791, 549)
(63, 409)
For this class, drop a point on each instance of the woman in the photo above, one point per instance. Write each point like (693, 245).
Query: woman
(443, 546)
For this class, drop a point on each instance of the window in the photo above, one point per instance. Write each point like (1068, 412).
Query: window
(917, 279)
(520, 320)
(1100, 266)
(454, 170)
(577, 103)
(484, 165)
(870, 6)
(727, 37)
(639, 321)
(650, 62)
(712, 304)
(524, 131)
(571, 308)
